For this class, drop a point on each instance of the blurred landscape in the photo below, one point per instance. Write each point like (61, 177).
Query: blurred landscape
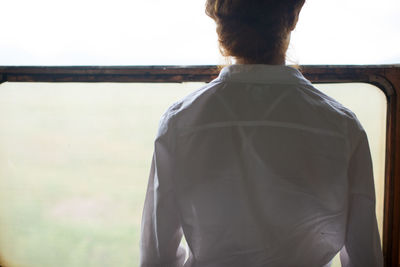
(74, 164)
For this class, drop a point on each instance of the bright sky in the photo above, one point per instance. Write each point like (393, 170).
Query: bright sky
(177, 32)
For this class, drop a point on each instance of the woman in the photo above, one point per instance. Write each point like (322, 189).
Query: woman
(259, 168)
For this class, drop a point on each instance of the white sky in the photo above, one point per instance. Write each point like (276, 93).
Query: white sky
(177, 32)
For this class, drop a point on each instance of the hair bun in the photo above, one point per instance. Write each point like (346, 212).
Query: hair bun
(254, 30)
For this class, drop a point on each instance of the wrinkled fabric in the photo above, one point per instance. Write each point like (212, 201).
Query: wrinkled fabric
(260, 169)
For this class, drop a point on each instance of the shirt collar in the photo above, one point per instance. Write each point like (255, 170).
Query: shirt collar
(259, 73)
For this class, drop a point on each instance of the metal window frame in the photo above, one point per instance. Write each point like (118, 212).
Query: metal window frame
(385, 77)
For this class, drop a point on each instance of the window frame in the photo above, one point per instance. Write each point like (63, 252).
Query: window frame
(385, 77)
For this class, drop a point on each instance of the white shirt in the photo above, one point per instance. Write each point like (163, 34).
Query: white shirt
(260, 169)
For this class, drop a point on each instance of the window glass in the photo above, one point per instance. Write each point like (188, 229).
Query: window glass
(177, 32)
(74, 164)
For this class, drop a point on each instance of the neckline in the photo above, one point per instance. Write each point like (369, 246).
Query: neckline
(262, 73)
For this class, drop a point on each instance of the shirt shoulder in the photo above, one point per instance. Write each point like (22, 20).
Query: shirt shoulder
(326, 102)
(172, 117)
(334, 109)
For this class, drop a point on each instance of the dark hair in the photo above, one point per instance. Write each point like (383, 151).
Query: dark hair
(254, 30)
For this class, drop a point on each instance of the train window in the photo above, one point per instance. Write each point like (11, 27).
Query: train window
(74, 163)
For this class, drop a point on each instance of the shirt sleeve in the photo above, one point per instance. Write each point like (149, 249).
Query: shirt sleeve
(362, 246)
(161, 230)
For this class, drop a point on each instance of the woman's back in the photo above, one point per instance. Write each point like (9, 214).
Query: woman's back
(258, 168)
(259, 171)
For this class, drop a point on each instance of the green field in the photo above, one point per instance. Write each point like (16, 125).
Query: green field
(74, 163)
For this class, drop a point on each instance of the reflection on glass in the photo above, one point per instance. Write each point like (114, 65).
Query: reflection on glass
(74, 162)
